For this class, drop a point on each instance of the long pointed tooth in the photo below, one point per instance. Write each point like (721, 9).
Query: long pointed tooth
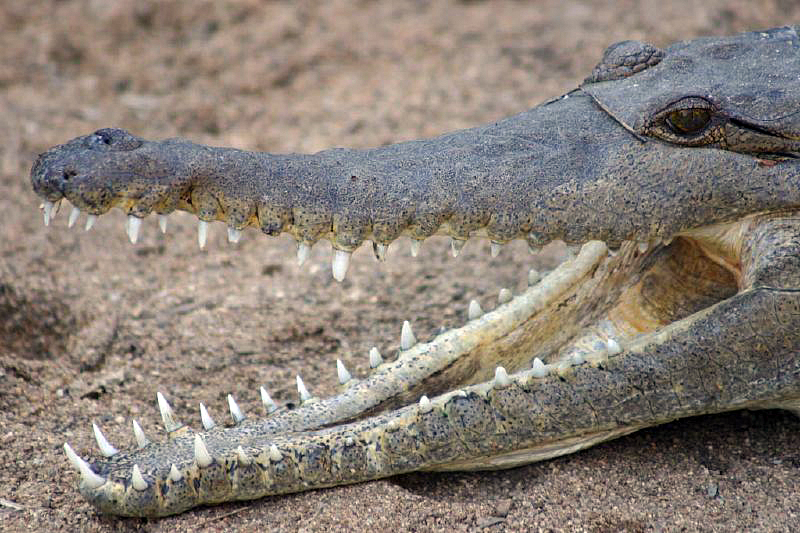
(167, 416)
(533, 276)
(242, 457)
(340, 264)
(275, 454)
(474, 311)
(266, 399)
(137, 480)
(47, 211)
(205, 418)
(162, 223)
(202, 233)
(415, 246)
(425, 404)
(302, 390)
(303, 251)
(88, 477)
(342, 372)
(539, 369)
(90, 220)
(494, 248)
(201, 455)
(407, 339)
(456, 245)
(73, 216)
(613, 347)
(375, 359)
(501, 378)
(132, 225)
(234, 235)
(380, 251)
(175, 474)
(236, 413)
(505, 296)
(139, 436)
(105, 447)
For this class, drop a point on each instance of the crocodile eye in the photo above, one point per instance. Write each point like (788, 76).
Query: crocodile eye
(688, 121)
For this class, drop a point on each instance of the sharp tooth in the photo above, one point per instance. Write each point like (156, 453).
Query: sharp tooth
(275, 454)
(494, 248)
(407, 339)
(303, 251)
(236, 413)
(539, 370)
(138, 435)
(425, 404)
(302, 390)
(415, 246)
(167, 416)
(205, 418)
(105, 447)
(501, 378)
(456, 245)
(474, 310)
(341, 371)
(90, 220)
(47, 211)
(613, 347)
(505, 296)
(137, 480)
(234, 235)
(202, 233)
(132, 226)
(162, 223)
(266, 399)
(533, 276)
(380, 251)
(642, 246)
(73, 216)
(242, 457)
(88, 477)
(375, 359)
(340, 264)
(175, 474)
(201, 455)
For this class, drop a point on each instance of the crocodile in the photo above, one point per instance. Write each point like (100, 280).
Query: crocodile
(673, 176)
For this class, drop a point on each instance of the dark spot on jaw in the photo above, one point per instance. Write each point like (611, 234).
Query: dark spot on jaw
(353, 178)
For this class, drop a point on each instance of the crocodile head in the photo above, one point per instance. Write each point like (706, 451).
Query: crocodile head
(676, 169)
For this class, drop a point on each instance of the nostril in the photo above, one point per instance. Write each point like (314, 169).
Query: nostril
(68, 175)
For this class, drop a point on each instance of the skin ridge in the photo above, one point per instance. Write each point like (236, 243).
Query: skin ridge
(675, 169)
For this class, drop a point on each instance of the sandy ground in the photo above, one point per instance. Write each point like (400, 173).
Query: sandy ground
(91, 327)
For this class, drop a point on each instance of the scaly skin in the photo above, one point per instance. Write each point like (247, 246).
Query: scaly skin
(684, 162)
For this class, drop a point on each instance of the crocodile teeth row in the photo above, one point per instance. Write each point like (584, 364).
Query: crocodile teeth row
(339, 263)
(204, 459)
